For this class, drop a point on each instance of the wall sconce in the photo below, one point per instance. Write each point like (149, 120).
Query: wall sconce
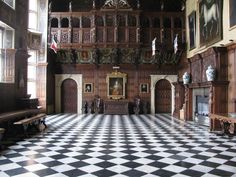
(183, 5)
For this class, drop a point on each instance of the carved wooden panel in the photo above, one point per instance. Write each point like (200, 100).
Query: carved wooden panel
(54, 33)
(116, 107)
(163, 97)
(156, 33)
(86, 35)
(132, 35)
(167, 37)
(110, 34)
(196, 71)
(69, 96)
(100, 36)
(64, 36)
(145, 37)
(121, 34)
(76, 36)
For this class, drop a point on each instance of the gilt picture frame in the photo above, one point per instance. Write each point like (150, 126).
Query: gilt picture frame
(144, 88)
(34, 40)
(192, 29)
(88, 87)
(232, 13)
(210, 21)
(116, 85)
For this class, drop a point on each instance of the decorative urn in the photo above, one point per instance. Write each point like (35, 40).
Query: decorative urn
(210, 73)
(186, 78)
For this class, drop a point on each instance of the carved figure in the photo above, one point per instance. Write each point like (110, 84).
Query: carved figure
(109, 3)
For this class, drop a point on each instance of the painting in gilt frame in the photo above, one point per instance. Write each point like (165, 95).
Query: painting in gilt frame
(143, 88)
(34, 40)
(210, 21)
(116, 85)
(88, 87)
(232, 12)
(192, 29)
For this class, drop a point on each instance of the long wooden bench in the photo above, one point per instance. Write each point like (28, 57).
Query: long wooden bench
(2, 130)
(17, 115)
(36, 120)
(8, 118)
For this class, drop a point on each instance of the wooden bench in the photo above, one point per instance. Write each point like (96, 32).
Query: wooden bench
(18, 114)
(2, 130)
(36, 120)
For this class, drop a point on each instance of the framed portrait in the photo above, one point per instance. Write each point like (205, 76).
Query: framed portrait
(232, 12)
(210, 21)
(88, 87)
(144, 88)
(116, 85)
(84, 56)
(34, 40)
(192, 29)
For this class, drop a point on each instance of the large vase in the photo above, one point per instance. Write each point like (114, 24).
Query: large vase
(210, 73)
(186, 78)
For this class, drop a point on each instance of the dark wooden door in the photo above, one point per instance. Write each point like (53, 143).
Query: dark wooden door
(69, 96)
(163, 96)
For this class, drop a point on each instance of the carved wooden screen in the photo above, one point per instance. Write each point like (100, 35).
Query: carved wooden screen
(121, 34)
(64, 35)
(110, 34)
(86, 35)
(163, 96)
(100, 34)
(69, 96)
(76, 35)
(132, 34)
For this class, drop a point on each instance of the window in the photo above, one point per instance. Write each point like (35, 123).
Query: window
(33, 14)
(11, 3)
(32, 51)
(32, 72)
(7, 54)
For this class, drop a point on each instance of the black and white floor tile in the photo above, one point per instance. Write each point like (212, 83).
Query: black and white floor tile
(120, 146)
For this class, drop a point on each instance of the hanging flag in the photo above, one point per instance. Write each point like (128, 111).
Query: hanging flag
(176, 44)
(53, 45)
(154, 46)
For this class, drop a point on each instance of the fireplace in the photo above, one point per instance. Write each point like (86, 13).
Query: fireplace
(201, 106)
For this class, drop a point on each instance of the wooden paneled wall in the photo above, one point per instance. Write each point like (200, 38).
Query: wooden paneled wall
(97, 76)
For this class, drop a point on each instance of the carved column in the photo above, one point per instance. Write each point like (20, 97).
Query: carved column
(138, 29)
(70, 30)
(93, 29)
(115, 28)
(80, 31)
(211, 99)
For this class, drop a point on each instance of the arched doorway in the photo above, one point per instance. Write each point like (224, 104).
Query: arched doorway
(69, 96)
(163, 96)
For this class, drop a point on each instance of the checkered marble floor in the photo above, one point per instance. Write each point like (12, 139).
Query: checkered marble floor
(120, 146)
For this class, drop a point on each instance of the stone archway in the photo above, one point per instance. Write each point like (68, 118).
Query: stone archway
(59, 78)
(154, 80)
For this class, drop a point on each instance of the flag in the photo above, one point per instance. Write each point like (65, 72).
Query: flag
(53, 45)
(176, 44)
(154, 46)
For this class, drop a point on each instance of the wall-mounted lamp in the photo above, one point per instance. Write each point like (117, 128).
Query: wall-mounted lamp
(183, 5)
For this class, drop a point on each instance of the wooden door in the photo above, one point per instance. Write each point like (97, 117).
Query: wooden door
(69, 96)
(163, 96)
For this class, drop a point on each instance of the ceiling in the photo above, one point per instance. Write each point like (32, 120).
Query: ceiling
(146, 5)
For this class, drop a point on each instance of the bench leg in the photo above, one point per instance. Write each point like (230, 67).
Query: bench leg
(25, 127)
(44, 123)
(2, 130)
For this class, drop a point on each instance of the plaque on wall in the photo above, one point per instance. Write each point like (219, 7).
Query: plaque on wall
(116, 82)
